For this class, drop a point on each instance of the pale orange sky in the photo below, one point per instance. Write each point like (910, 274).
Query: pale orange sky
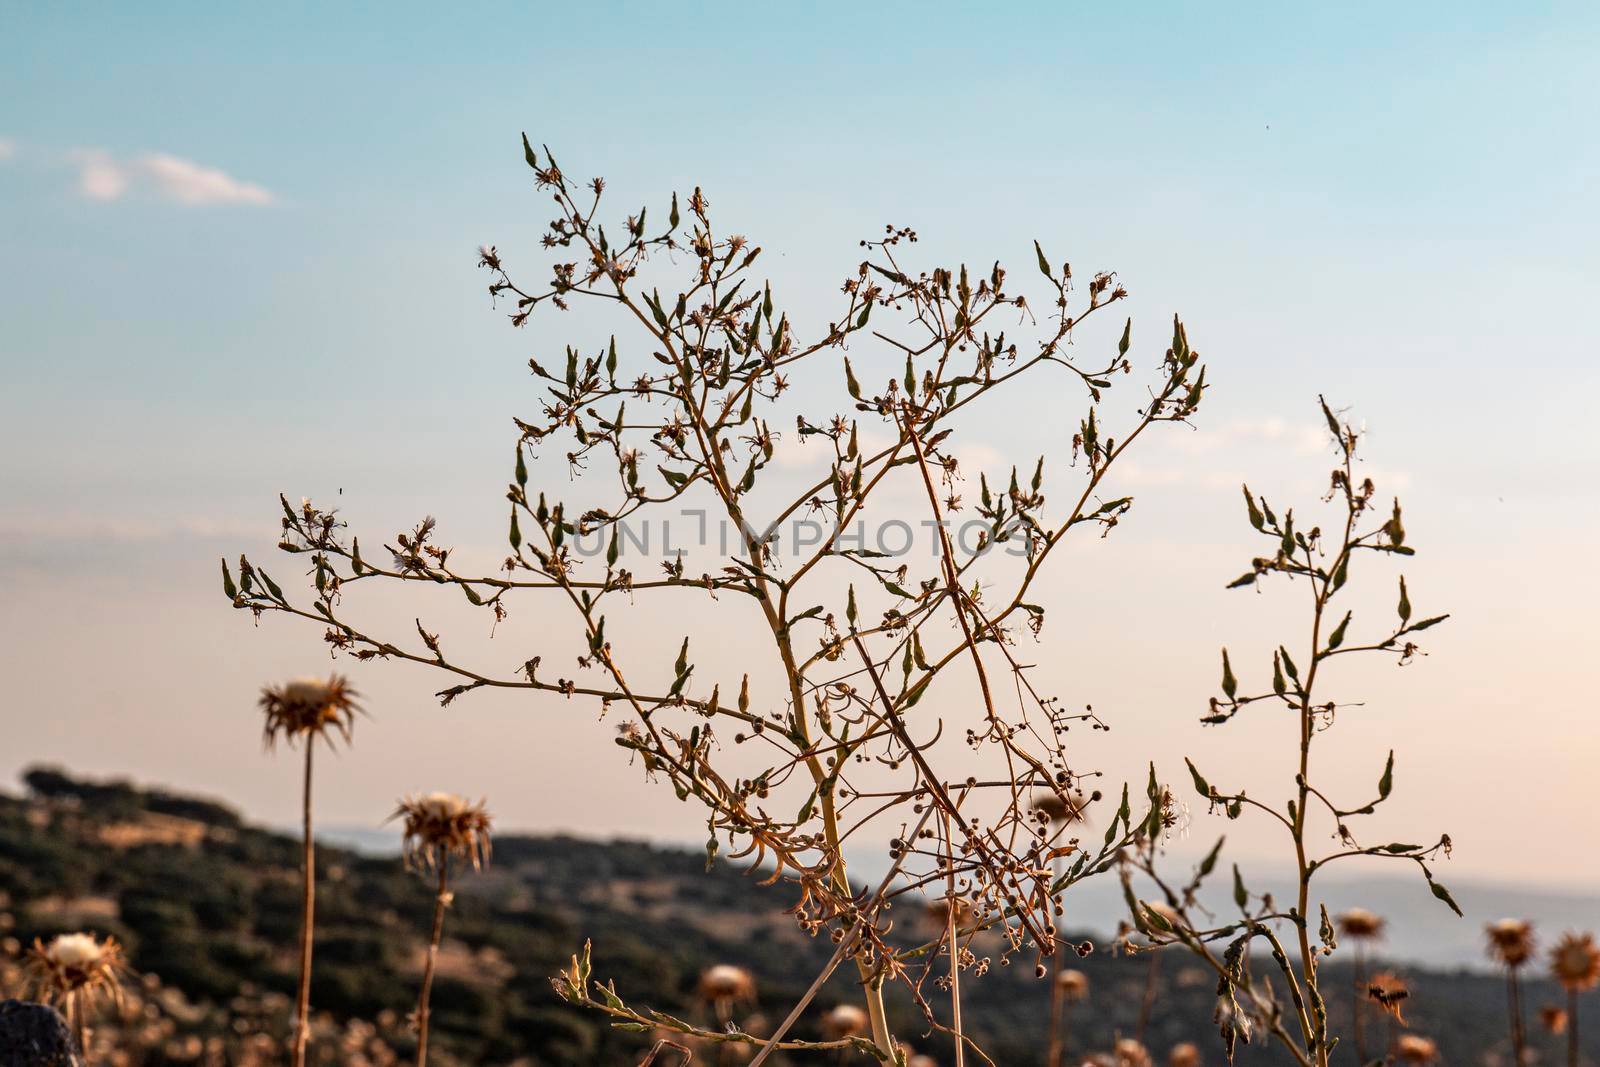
(211, 298)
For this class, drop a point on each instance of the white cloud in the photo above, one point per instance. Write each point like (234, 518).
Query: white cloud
(105, 178)
(100, 177)
(8, 148)
(188, 182)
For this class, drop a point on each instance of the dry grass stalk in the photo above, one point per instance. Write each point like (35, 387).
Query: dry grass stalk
(1511, 944)
(1575, 964)
(440, 827)
(301, 712)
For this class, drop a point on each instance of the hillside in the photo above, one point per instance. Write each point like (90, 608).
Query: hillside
(208, 906)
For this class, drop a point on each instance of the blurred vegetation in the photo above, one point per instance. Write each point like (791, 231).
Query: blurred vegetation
(210, 905)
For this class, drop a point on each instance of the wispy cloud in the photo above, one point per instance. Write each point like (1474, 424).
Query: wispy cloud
(100, 177)
(190, 183)
(104, 177)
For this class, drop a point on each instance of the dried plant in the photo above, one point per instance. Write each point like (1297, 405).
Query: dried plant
(1575, 964)
(1068, 986)
(440, 827)
(1360, 927)
(74, 972)
(836, 736)
(1184, 1054)
(1326, 560)
(1414, 1048)
(1511, 944)
(301, 712)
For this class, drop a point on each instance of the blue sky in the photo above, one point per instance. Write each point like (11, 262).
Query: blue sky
(238, 259)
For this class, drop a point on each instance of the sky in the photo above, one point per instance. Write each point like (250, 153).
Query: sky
(237, 258)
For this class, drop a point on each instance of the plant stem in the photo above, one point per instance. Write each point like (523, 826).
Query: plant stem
(440, 901)
(1149, 1000)
(1572, 1028)
(1357, 995)
(80, 1032)
(302, 1021)
(1514, 1001)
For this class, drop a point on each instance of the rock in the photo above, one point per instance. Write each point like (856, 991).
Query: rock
(34, 1035)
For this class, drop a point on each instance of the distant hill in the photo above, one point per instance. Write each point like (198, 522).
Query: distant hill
(209, 904)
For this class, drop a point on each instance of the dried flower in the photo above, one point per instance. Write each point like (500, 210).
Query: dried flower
(1553, 1018)
(73, 971)
(1064, 808)
(939, 912)
(844, 1020)
(1389, 992)
(1510, 941)
(309, 708)
(1414, 1048)
(440, 825)
(1074, 985)
(1359, 924)
(725, 983)
(1184, 1054)
(1131, 1053)
(1575, 962)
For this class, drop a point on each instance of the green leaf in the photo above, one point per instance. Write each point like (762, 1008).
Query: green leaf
(1333, 423)
(1444, 894)
(1279, 686)
(1200, 784)
(850, 380)
(1404, 607)
(1209, 864)
(1336, 638)
(227, 582)
(1044, 264)
(1127, 338)
(1288, 664)
(1256, 518)
(1230, 684)
(1426, 623)
(1386, 783)
(682, 665)
(272, 586)
(529, 154)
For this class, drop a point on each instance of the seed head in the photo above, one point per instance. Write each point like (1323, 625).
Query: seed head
(1184, 1054)
(845, 1020)
(1359, 924)
(1510, 941)
(727, 984)
(72, 968)
(1074, 985)
(1389, 992)
(441, 825)
(1131, 1053)
(309, 708)
(1066, 808)
(939, 912)
(1575, 962)
(1414, 1048)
